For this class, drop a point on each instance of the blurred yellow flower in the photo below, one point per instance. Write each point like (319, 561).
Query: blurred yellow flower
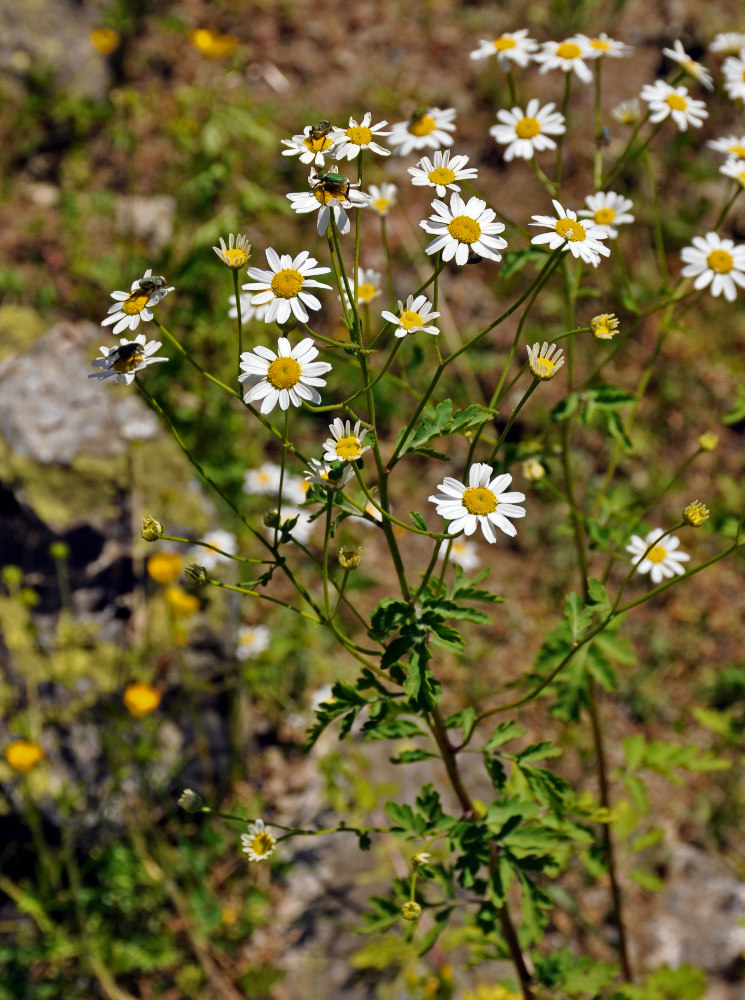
(708, 441)
(492, 991)
(141, 699)
(104, 40)
(180, 603)
(164, 567)
(212, 44)
(23, 755)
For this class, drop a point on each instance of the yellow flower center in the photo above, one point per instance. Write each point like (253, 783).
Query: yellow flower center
(283, 373)
(286, 284)
(423, 125)
(129, 360)
(135, 303)
(409, 319)
(23, 755)
(348, 448)
(527, 128)
(570, 229)
(366, 292)
(262, 844)
(568, 50)
(657, 554)
(382, 204)
(504, 43)
(479, 500)
(317, 145)
(441, 175)
(676, 102)
(236, 258)
(360, 135)
(104, 40)
(600, 44)
(738, 151)
(542, 367)
(141, 699)
(464, 229)
(325, 195)
(720, 261)
(604, 216)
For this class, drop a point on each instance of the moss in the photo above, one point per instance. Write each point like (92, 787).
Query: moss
(20, 327)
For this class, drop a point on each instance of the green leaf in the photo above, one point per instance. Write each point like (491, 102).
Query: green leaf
(410, 756)
(430, 938)
(465, 719)
(417, 520)
(388, 616)
(647, 880)
(503, 733)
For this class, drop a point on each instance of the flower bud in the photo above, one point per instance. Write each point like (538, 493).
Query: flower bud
(411, 910)
(604, 326)
(695, 513)
(151, 529)
(59, 551)
(196, 574)
(190, 801)
(271, 518)
(533, 470)
(350, 556)
(708, 441)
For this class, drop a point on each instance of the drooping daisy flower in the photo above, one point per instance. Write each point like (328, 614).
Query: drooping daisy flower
(334, 193)
(223, 540)
(324, 474)
(248, 310)
(666, 101)
(351, 141)
(383, 198)
(730, 145)
(679, 55)
(236, 253)
(602, 47)
(368, 286)
(735, 169)
(258, 844)
(287, 377)
(264, 480)
(133, 306)
(123, 362)
(729, 42)
(734, 77)
(483, 503)
(545, 360)
(511, 47)
(568, 56)
(345, 444)
(441, 172)
(252, 640)
(715, 262)
(525, 133)
(462, 552)
(607, 210)
(282, 288)
(604, 326)
(464, 228)
(428, 128)
(627, 112)
(413, 316)
(580, 239)
(661, 561)
(313, 144)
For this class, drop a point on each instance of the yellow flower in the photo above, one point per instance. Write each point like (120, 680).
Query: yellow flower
(151, 529)
(180, 603)
(104, 40)
(492, 991)
(695, 513)
(411, 910)
(141, 699)
(212, 44)
(23, 755)
(708, 441)
(604, 326)
(164, 567)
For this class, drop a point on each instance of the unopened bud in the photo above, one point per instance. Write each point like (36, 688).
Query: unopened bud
(350, 556)
(190, 801)
(411, 910)
(59, 551)
(151, 529)
(708, 441)
(271, 519)
(604, 326)
(533, 470)
(196, 574)
(695, 513)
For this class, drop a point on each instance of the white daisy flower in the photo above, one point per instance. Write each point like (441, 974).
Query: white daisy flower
(264, 480)
(441, 172)
(208, 558)
(545, 360)
(580, 239)
(482, 503)
(248, 310)
(257, 843)
(287, 377)
(313, 145)
(731, 145)
(428, 128)
(282, 288)
(607, 210)
(603, 47)
(368, 286)
(236, 253)
(323, 474)
(660, 561)
(568, 56)
(132, 306)
(464, 228)
(413, 316)
(665, 101)
(462, 552)
(383, 198)
(679, 55)
(627, 112)
(735, 169)
(734, 77)
(123, 362)
(715, 262)
(345, 444)
(334, 193)
(351, 141)
(730, 43)
(252, 640)
(525, 133)
(511, 47)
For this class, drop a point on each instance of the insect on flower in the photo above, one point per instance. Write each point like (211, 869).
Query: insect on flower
(330, 185)
(152, 283)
